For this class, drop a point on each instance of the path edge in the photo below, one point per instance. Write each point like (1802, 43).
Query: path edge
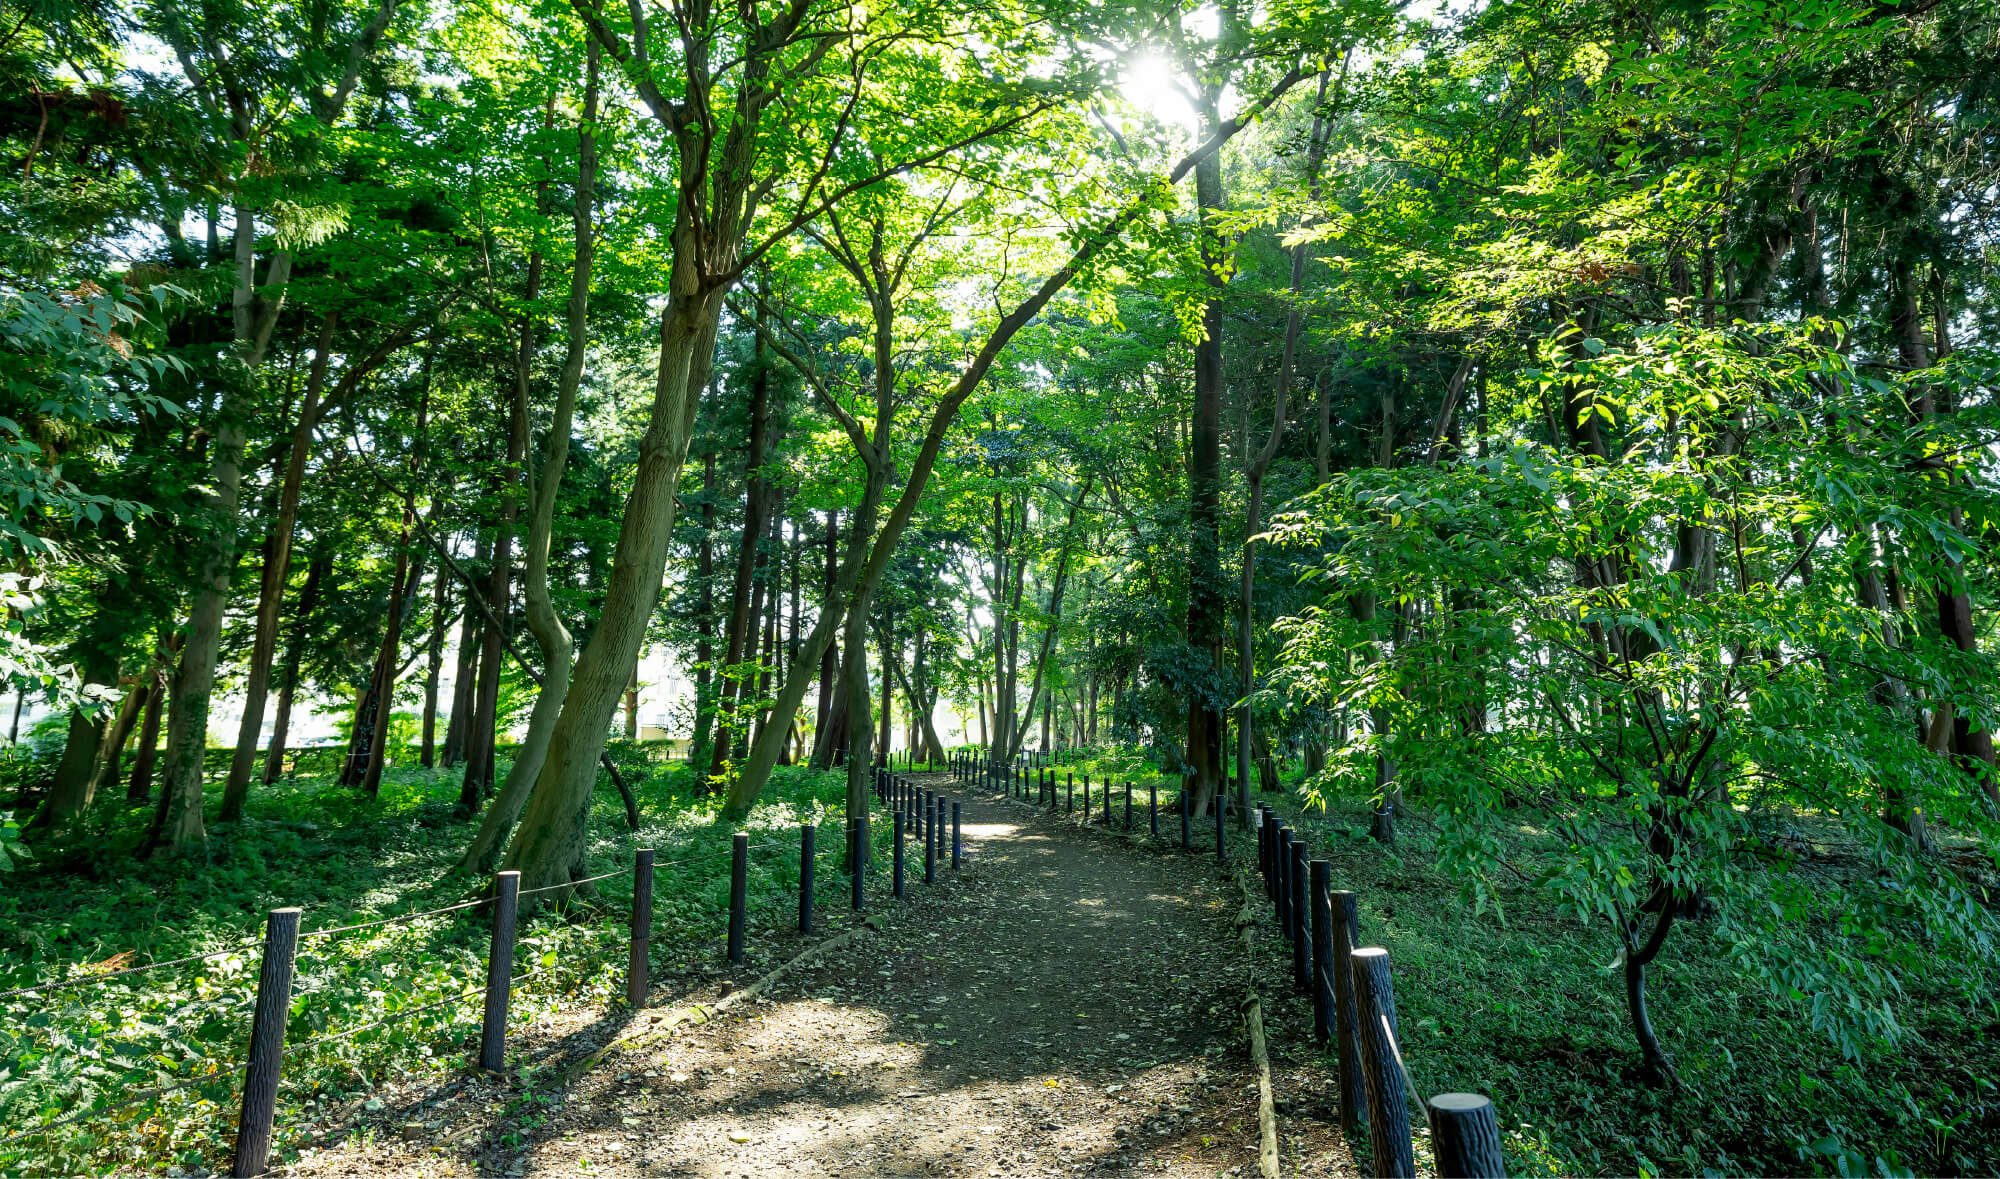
(1260, 1054)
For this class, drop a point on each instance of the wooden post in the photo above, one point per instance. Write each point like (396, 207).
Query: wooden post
(1388, 1116)
(1281, 860)
(1265, 830)
(1128, 805)
(1347, 1027)
(638, 966)
(1301, 919)
(500, 972)
(930, 838)
(1153, 808)
(1465, 1137)
(808, 835)
(858, 878)
(267, 1042)
(1069, 797)
(1322, 951)
(896, 859)
(739, 895)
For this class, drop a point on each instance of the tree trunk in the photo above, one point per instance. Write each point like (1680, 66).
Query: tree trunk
(139, 787)
(744, 587)
(177, 821)
(464, 680)
(1205, 616)
(1260, 463)
(483, 730)
(408, 577)
(543, 621)
(73, 783)
(704, 649)
(434, 667)
(271, 586)
(827, 667)
(548, 848)
(317, 571)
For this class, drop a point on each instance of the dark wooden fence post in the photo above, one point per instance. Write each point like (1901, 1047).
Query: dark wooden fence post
(1322, 945)
(1128, 805)
(1281, 892)
(638, 966)
(930, 838)
(1388, 1115)
(1069, 797)
(1465, 1137)
(739, 895)
(1153, 808)
(1347, 1025)
(500, 972)
(896, 859)
(1301, 921)
(858, 878)
(808, 835)
(267, 1042)
(1266, 830)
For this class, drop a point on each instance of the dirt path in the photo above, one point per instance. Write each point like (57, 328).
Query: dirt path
(1065, 1005)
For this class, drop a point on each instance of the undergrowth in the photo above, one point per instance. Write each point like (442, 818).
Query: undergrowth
(1528, 1008)
(91, 1056)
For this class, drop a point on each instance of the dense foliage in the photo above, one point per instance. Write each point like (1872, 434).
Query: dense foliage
(1557, 438)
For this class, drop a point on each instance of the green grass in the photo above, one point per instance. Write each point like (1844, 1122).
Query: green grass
(344, 859)
(1530, 1010)
(1527, 1006)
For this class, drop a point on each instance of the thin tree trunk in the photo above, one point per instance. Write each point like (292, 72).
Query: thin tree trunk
(743, 590)
(483, 731)
(177, 821)
(271, 586)
(139, 787)
(464, 677)
(434, 667)
(704, 650)
(1205, 616)
(546, 485)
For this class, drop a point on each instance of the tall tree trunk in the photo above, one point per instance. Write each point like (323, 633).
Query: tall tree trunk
(73, 783)
(1205, 616)
(744, 587)
(317, 571)
(704, 649)
(544, 623)
(434, 667)
(827, 667)
(548, 848)
(111, 758)
(408, 576)
(1260, 463)
(177, 821)
(271, 586)
(139, 787)
(464, 681)
(885, 719)
(483, 729)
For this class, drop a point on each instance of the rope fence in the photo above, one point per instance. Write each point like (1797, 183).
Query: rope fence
(262, 1070)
